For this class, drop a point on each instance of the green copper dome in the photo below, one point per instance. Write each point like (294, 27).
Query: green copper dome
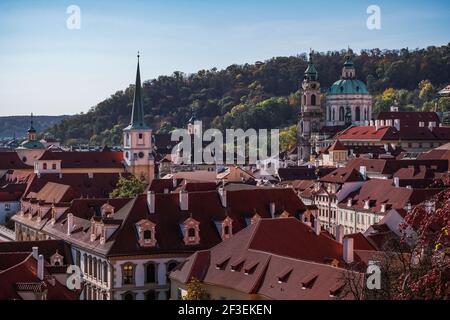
(348, 86)
(34, 144)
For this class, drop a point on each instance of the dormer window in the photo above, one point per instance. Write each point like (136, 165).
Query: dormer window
(107, 210)
(227, 228)
(191, 232)
(146, 230)
(366, 204)
(57, 259)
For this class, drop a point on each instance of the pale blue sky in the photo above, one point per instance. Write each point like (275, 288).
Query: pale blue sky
(46, 68)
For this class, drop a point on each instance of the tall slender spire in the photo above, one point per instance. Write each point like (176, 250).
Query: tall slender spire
(137, 114)
(311, 72)
(31, 129)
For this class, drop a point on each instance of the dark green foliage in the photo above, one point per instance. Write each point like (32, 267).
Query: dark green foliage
(260, 95)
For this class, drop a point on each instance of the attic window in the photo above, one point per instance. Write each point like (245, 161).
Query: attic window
(284, 276)
(146, 233)
(191, 232)
(221, 265)
(227, 228)
(308, 282)
(336, 290)
(237, 266)
(250, 268)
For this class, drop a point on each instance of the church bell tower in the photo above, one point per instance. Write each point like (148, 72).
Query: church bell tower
(311, 114)
(137, 139)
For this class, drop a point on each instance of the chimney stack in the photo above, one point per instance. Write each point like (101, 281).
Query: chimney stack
(397, 124)
(339, 233)
(40, 267)
(396, 182)
(151, 198)
(35, 252)
(184, 200)
(317, 227)
(363, 172)
(69, 223)
(348, 250)
(272, 209)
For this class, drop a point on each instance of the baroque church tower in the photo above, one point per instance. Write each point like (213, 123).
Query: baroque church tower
(137, 139)
(311, 114)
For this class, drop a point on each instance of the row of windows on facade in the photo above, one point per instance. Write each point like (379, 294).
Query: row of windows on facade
(344, 216)
(332, 114)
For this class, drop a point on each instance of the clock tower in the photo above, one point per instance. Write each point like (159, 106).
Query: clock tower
(311, 114)
(137, 139)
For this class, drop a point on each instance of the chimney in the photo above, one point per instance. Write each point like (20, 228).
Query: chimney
(386, 147)
(69, 223)
(91, 175)
(431, 125)
(348, 250)
(151, 201)
(184, 200)
(339, 233)
(317, 228)
(396, 182)
(397, 124)
(40, 267)
(223, 196)
(377, 124)
(272, 209)
(35, 252)
(363, 172)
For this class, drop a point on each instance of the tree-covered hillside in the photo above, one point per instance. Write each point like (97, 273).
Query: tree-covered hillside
(264, 94)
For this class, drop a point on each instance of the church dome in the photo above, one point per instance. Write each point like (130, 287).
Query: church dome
(31, 144)
(348, 86)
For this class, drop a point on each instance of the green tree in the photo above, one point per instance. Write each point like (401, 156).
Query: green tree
(128, 188)
(426, 90)
(196, 291)
(288, 138)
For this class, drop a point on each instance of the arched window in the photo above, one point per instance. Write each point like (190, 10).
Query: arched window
(90, 265)
(313, 100)
(329, 113)
(105, 272)
(150, 273)
(334, 115)
(191, 232)
(304, 99)
(128, 274)
(357, 114)
(95, 267)
(341, 113)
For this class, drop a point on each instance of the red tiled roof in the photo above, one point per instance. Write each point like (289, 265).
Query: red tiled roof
(342, 175)
(410, 119)
(280, 258)
(10, 160)
(22, 277)
(337, 146)
(90, 159)
(360, 242)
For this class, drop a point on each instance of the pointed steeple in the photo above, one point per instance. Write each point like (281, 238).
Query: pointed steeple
(137, 114)
(31, 129)
(311, 72)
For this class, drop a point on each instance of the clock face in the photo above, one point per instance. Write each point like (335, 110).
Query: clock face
(141, 155)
